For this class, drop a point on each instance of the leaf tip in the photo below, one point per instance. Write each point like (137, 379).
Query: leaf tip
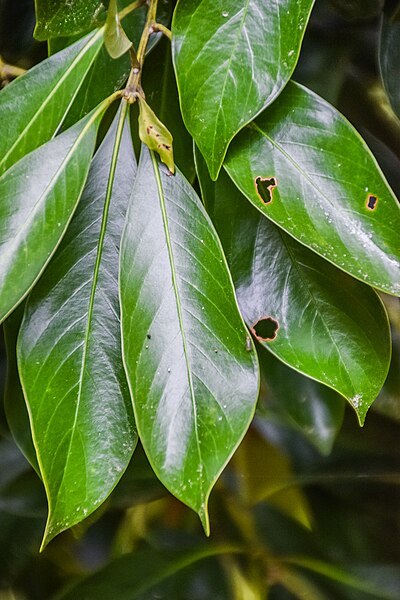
(204, 518)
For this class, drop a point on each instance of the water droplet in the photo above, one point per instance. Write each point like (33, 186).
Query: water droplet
(225, 14)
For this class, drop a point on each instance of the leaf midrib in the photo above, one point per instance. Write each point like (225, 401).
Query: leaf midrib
(178, 306)
(117, 143)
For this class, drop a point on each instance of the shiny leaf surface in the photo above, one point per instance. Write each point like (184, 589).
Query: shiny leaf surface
(389, 59)
(69, 349)
(33, 107)
(55, 18)
(309, 314)
(38, 196)
(232, 59)
(305, 167)
(193, 382)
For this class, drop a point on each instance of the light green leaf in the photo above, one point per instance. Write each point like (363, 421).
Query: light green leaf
(309, 314)
(303, 165)
(55, 18)
(33, 106)
(155, 135)
(69, 349)
(38, 196)
(193, 381)
(116, 41)
(232, 59)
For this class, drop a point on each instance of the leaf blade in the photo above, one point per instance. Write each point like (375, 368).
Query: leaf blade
(176, 339)
(232, 63)
(291, 144)
(36, 207)
(331, 327)
(86, 427)
(34, 105)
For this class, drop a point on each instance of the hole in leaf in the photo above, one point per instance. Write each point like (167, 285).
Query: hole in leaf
(372, 201)
(264, 187)
(265, 329)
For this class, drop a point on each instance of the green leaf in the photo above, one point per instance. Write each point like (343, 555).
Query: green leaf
(116, 41)
(33, 106)
(389, 58)
(14, 402)
(56, 18)
(303, 165)
(309, 314)
(132, 576)
(38, 196)
(155, 135)
(299, 402)
(193, 382)
(232, 59)
(69, 349)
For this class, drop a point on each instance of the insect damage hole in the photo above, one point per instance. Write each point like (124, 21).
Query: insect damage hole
(265, 329)
(265, 187)
(372, 201)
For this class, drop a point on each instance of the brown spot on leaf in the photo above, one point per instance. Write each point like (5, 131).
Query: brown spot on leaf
(265, 329)
(372, 202)
(265, 187)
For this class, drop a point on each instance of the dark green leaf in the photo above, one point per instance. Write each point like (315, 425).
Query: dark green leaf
(312, 316)
(300, 403)
(389, 58)
(133, 576)
(69, 349)
(14, 402)
(56, 18)
(305, 167)
(232, 59)
(193, 383)
(34, 105)
(38, 196)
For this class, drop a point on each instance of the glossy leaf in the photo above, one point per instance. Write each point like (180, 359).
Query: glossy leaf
(193, 383)
(38, 196)
(299, 403)
(133, 577)
(33, 107)
(116, 41)
(14, 402)
(389, 59)
(323, 323)
(155, 135)
(55, 18)
(69, 349)
(322, 185)
(232, 59)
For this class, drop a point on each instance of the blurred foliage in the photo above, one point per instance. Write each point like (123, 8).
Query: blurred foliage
(297, 514)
